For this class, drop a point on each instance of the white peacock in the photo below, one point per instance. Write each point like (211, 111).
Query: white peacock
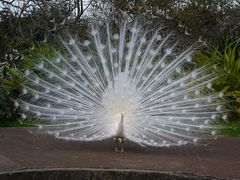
(134, 84)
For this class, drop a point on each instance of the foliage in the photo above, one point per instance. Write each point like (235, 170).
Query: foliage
(9, 87)
(25, 123)
(231, 128)
(11, 79)
(208, 19)
(225, 60)
(25, 23)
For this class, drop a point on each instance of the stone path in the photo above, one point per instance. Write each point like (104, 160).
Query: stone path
(22, 148)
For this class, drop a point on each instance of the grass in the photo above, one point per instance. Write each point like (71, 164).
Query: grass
(231, 128)
(25, 123)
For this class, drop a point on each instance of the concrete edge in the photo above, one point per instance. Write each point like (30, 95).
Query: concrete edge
(105, 170)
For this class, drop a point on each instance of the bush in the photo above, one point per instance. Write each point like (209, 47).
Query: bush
(9, 87)
(11, 80)
(225, 60)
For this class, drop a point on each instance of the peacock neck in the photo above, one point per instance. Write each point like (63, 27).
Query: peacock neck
(120, 130)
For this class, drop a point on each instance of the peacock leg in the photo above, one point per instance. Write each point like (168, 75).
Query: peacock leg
(116, 147)
(122, 150)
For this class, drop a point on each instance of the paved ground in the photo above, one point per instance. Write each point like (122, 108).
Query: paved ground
(22, 148)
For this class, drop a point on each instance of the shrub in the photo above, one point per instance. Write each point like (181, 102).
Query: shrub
(225, 60)
(11, 79)
(9, 87)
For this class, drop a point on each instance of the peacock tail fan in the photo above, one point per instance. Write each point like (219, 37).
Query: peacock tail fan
(136, 76)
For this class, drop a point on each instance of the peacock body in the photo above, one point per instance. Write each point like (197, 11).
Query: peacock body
(134, 84)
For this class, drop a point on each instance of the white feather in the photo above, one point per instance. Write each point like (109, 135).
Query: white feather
(138, 81)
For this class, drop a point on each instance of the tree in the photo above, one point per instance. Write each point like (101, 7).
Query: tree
(209, 19)
(37, 20)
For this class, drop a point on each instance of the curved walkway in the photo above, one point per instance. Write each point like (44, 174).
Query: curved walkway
(24, 148)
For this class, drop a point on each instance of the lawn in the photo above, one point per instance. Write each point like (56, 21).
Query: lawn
(25, 123)
(231, 128)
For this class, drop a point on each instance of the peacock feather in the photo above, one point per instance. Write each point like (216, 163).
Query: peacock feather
(136, 83)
